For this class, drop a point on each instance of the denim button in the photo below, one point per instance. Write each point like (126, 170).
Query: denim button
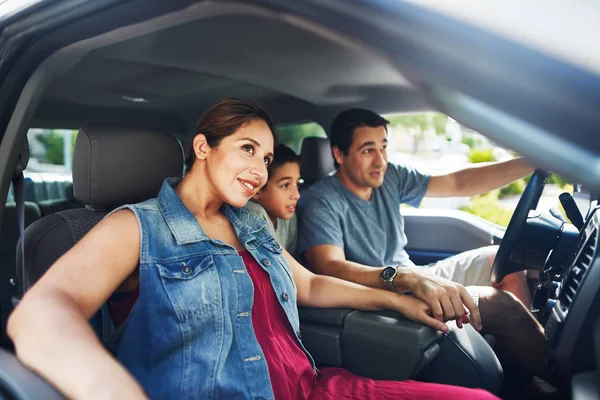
(285, 296)
(277, 246)
(265, 262)
(187, 269)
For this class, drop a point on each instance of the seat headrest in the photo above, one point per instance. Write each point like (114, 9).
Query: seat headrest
(317, 160)
(115, 165)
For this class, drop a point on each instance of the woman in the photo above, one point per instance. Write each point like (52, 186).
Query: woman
(217, 311)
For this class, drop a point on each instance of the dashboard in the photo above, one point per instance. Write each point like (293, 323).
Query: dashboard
(570, 328)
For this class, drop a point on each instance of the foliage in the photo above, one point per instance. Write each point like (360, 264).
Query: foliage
(481, 155)
(515, 187)
(487, 206)
(293, 135)
(557, 180)
(421, 121)
(54, 144)
(469, 140)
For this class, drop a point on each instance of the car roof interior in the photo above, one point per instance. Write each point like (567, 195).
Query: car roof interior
(153, 77)
(307, 62)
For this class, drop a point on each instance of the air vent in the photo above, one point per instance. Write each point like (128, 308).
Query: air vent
(577, 273)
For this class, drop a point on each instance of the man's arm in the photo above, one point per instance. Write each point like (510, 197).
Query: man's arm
(478, 179)
(446, 299)
(321, 291)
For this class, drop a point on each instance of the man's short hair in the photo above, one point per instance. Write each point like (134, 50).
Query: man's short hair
(282, 155)
(342, 129)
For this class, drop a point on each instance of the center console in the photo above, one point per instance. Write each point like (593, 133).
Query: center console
(387, 345)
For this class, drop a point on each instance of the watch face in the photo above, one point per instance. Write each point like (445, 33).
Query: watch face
(388, 273)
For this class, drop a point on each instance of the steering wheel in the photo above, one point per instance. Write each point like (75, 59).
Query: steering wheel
(528, 201)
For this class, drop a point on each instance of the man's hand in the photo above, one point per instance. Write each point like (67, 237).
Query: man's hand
(446, 299)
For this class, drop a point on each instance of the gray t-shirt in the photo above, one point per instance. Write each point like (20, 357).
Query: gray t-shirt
(286, 232)
(369, 232)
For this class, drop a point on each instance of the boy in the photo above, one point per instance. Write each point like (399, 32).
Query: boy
(276, 201)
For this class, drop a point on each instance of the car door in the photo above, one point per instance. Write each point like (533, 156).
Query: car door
(31, 30)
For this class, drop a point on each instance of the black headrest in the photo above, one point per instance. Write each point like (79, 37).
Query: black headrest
(116, 165)
(317, 160)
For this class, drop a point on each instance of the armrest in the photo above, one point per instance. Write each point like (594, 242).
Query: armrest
(387, 345)
(367, 343)
(20, 383)
(321, 330)
(329, 316)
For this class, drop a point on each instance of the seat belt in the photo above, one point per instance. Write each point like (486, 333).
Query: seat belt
(18, 182)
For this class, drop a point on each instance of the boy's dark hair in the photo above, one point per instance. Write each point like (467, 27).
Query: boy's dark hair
(224, 119)
(282, 155)
(342, 129)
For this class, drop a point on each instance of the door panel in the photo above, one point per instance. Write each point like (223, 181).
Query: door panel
(437, 234)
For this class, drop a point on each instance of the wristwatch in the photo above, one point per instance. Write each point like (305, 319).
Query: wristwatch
(387, 277)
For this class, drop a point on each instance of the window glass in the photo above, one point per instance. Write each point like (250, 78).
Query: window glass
(48, 173)
(436, 144)
(292, 135)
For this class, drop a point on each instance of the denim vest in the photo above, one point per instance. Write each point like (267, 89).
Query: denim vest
(190, 334)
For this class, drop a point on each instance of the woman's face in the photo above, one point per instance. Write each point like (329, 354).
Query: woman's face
(237, 167)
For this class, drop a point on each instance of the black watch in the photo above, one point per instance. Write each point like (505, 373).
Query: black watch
(387, 277)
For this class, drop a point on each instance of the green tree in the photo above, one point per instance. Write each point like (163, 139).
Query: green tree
(488, 207)
(481, 155)
(54, 143)
(293, 135)
(515, 187)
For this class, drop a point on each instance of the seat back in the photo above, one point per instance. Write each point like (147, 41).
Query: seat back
(112, 166)
(53, 206)
(317, 160)
(9, 237)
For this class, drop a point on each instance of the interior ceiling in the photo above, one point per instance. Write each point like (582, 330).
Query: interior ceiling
(182, 70)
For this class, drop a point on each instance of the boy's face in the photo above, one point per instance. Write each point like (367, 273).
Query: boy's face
(280, 194)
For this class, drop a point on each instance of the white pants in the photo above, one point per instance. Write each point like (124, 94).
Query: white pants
(470, 268)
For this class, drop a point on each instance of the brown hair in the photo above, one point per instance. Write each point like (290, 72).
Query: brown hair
(342, 129)
(282, 155)
(224, 119)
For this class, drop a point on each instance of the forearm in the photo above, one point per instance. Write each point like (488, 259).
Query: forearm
(329, 292)
(483, 178)
(369, 276)
(67, 353)
(351, 271)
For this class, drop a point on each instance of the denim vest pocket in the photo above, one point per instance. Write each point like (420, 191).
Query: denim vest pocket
(193, 286)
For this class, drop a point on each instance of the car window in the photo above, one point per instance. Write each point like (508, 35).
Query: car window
(292, 135)
(435, 144)
(49, 170)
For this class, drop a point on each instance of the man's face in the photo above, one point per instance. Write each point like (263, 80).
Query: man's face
(366, 161)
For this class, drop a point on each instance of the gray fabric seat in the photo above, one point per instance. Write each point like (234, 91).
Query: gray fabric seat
(53, 206)
(112, 166)
(9, 237)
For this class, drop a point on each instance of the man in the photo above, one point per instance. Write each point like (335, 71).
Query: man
(350, 227)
